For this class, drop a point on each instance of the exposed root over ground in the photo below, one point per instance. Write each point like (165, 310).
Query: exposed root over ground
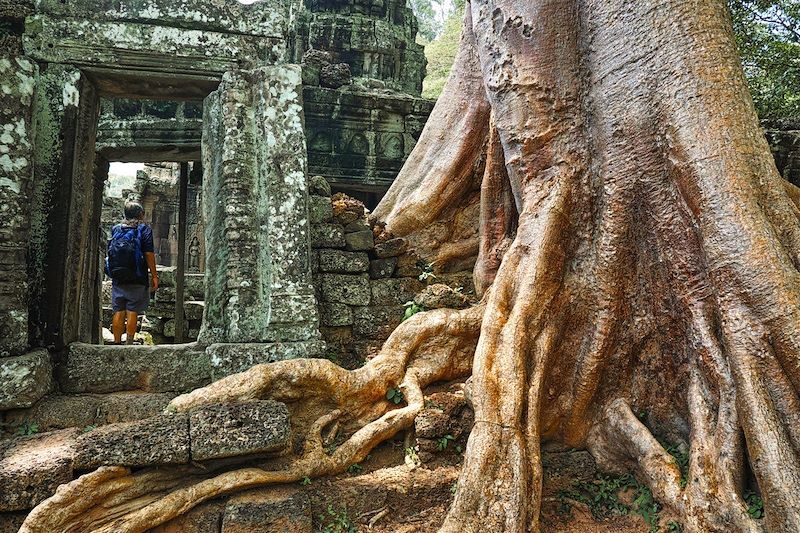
(327, 403)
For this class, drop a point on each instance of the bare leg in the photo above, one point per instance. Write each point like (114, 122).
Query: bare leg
(118, 325)
(131, 326)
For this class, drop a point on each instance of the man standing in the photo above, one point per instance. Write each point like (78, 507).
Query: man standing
(130, 255)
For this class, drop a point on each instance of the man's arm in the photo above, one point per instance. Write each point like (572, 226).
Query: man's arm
(150, 257)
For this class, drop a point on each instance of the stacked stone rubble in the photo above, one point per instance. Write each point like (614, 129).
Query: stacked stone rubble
(361, 284)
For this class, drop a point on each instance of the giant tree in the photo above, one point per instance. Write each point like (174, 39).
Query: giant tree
(637, 253)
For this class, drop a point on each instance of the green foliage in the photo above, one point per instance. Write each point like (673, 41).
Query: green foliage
(305, 481)
(28, 428)
(394, 395)
(411, 453)
(336, 521)
(441, 52)
(427, 271)
(444, 442)
(355, 469)
(674, 527)
(90, 427)
(411, 310)
(768, 38)
(429, 26)
(454, 487)
(681, 458)
(601, 495)
(755, 505)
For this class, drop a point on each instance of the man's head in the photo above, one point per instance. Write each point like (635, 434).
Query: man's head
(134, 211)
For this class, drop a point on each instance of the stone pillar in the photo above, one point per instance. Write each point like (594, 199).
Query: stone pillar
(255, 211)
(63, 244)
(18, 77)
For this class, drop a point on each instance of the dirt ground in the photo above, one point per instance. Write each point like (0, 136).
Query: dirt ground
(388, 496)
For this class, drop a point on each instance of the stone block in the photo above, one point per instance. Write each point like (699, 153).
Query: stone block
(341, 262)
(159, 440)
(396, 291)
(391, 248)
(166, 276)
(333, 314)
(205, 518)
(11, 522)
(99, 369)
(33, 467)
(346, 289)
(319, 209)
(270, 510)
(439, 295)
(231, 430)
(409, 266)
(376, 322)
(25, 379)
(319, 186)
(229, 358)
(360, 240)
(357, 225)
(382, 268)
(327, 236)
(335, 76)
(346, 209)
(59, 411)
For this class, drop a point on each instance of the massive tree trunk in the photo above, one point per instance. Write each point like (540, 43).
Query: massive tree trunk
(639, 254)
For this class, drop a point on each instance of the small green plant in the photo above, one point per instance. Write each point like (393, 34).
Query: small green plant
(355, 469)
(755, 505)
(90, 427)
(646, 507)
(411, 309)
(444, 442)
(394, 395)
(427, 271)
(681, 458)
(336, 521)
(600, 495)
(305, 481)
(411, 453)
(28, 428)
(454, 487)
(674, 527)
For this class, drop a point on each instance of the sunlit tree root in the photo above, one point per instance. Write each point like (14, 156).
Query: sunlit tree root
(324, 400)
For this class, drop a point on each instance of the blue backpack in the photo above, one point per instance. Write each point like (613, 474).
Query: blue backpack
(124, 260)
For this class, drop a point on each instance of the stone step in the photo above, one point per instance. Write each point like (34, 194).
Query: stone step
(31, 468)
(60, 411)
(92, 368)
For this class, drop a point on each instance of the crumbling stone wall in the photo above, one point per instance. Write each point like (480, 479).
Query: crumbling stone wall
(365, 279)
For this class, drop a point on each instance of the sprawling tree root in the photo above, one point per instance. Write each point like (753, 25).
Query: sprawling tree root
(643, 257)
(324, 400)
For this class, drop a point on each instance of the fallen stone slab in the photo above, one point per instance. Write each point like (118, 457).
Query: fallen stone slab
(159, 440)
(271, 510)
(230, 430)
(58, 411)
(25, 379)
(31, 468)
(205, 518)
(101, 369)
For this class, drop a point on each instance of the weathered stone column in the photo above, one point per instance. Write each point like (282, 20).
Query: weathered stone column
(255, 209)
(18, 76)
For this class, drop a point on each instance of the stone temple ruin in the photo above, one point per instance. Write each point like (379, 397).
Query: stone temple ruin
(267, 113)
(256, 98)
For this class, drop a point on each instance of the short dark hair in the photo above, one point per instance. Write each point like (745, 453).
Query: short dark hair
(133, 210)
